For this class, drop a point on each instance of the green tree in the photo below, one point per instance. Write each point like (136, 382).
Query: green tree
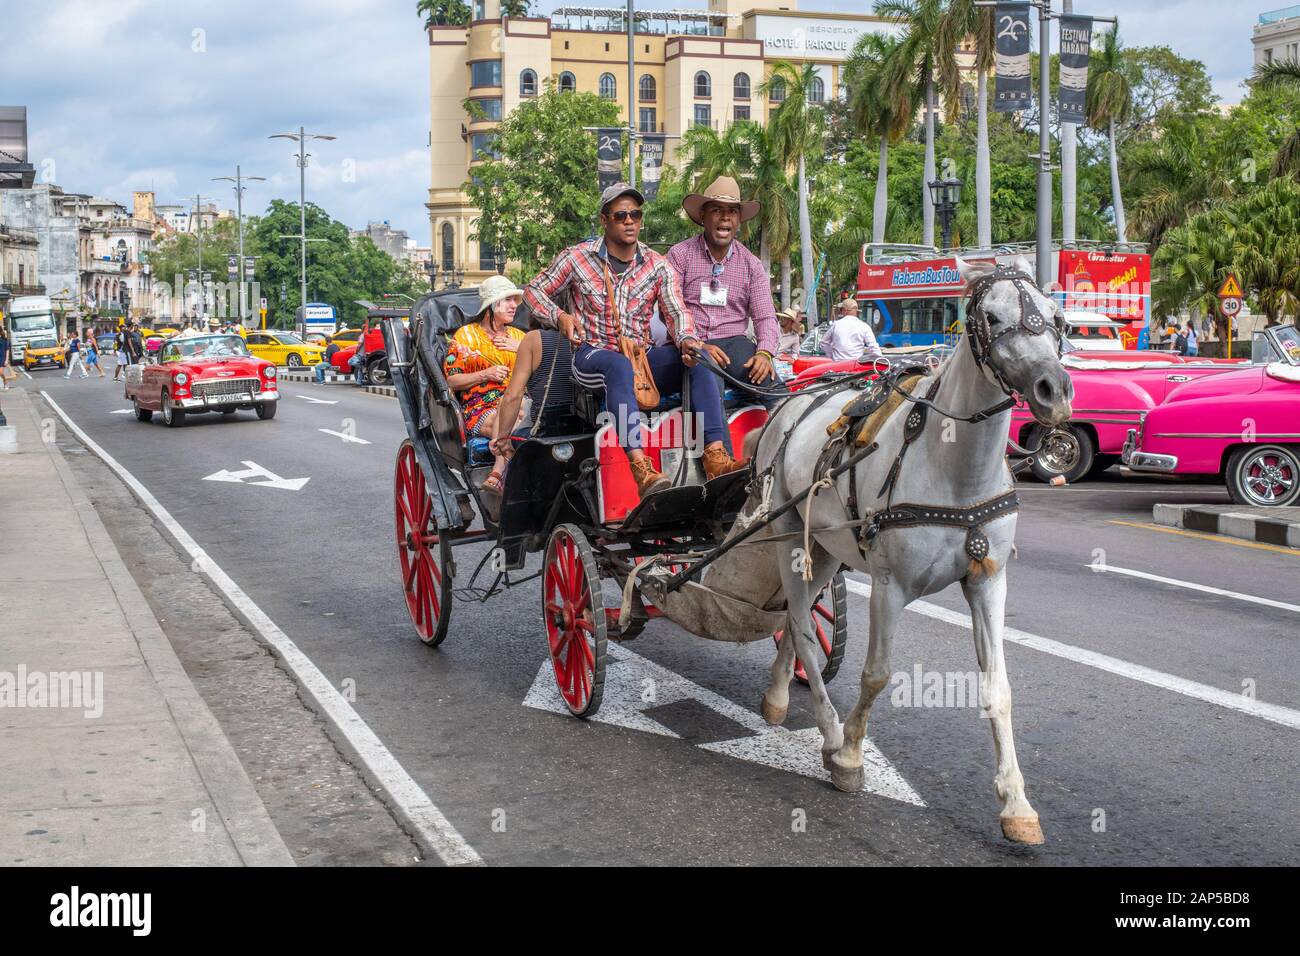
(961, 20)
(1282, 73)
(514, 8)
(878, 111)
(1109, 101)
(173, 257)
(539, 194)
(1181, 174)
(441, 13)
(796, 131)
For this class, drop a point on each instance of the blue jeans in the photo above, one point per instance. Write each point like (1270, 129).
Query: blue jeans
(609, 370)
(320, 372)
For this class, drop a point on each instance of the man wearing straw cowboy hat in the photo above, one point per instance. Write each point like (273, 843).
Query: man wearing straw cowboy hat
(726, 286)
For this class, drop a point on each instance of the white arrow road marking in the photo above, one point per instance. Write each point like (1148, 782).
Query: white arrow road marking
(317, 401)
(254, 470)
(628, 677)
(1190, 585)
(344, 435)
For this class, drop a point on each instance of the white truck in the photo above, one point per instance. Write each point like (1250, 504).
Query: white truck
(30, 319)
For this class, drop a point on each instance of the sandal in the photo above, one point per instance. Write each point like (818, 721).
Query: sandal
(493, 482)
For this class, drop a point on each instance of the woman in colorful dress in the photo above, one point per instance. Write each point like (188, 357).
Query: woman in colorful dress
(480, 360)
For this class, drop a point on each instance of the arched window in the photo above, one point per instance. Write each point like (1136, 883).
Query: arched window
(703, 85)
(608, 87)
(777, 91)
(568, 82)
(646, 89)
(740, 87)
(448, 247)
(817, 94)
(528, 83)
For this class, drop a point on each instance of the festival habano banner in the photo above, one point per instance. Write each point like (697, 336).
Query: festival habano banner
(1076, 44)
(609, 155)
(652, 164)
(1012, 92)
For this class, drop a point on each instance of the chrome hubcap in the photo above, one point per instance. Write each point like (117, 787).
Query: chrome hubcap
(1060, 451)
(1269, 478)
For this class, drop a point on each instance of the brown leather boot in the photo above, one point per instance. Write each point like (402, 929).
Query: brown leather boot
(647, 479)
(718, 462)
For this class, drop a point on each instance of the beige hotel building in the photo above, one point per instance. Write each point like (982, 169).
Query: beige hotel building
(691, 65)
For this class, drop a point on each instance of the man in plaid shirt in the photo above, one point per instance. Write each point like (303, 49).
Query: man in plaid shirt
(614, 283)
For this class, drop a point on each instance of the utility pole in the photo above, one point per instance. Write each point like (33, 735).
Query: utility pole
(631, 97)
(301, 138)
(203, 286)
(1069, 169)
(238, 180)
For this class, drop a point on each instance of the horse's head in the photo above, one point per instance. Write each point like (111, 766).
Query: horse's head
(1014, 333)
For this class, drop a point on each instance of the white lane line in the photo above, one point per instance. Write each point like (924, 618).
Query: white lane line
(1188, 688)
(403, 793)
(121, 411)
(317, 401)
(27, 373)
(344, 435)
(1192, 586)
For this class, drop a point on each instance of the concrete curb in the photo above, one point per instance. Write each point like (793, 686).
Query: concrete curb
(331, 378)
(388, 391)
(243, 814)
(1279, 526)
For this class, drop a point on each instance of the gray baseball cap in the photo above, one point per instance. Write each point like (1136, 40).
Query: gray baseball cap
(617, 191)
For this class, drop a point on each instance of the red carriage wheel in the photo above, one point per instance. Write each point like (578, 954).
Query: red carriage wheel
(424, 555)
(574, 612)
(831, 628)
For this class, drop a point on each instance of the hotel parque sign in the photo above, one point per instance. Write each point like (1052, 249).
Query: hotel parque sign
(812, 37)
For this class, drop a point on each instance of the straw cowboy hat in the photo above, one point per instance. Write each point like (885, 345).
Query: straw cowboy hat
(790, 315)
(496, 288)
(722, 190)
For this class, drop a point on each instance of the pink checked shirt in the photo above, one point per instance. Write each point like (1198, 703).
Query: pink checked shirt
(749, 293)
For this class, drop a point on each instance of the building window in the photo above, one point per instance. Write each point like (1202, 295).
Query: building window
(703, 114)
(487, 258)
(485, 73)
(608, 87)
(777, 91)
(480, 9)
(483, 146)
(448, 247)
(1268, 56)
(740, 112)
(818, 92)
(646, 89)
(740, 87)
(703, 85)
(568, 82)
(528, 83)
(606, 47)
(649, 122)
(490, 109)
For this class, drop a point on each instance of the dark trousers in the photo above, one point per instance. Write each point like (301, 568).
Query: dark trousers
(610, 370)
(740, 349)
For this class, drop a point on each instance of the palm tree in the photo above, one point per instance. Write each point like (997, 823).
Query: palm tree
(1275, 74)
(1178, 176)
(713, 154)
(514, 8)
(874, 114)
(768, 183)
(440, 13)
(1109, 101)
(963, 19)
(913, 66)
(797, 130)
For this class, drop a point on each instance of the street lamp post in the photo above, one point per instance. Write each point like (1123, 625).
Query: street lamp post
(197, 215)
(238, 180)
(301, 138)
(945, 194)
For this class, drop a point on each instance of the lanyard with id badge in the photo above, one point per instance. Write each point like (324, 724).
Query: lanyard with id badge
(715, 293)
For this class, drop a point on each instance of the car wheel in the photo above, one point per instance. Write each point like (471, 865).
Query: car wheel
(1064, 451)
(141, 414)
(266, 410)
(377, 372)
(295, 360)
(1264, 475)
(173, 417)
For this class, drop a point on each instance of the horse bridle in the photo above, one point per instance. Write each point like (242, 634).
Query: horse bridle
(1032, 321)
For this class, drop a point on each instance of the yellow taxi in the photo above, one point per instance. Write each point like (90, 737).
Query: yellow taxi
(284, 348)
(43, 353)
(346, 337)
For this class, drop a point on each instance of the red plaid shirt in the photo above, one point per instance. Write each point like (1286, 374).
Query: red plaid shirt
(647, 282)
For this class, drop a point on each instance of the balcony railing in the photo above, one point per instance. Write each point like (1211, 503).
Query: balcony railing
(18, 235)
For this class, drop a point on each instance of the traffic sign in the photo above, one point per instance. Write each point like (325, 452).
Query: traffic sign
(1230, 306)
(1231, 288)
(262, 304)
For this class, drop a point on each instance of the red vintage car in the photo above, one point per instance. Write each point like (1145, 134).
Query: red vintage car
(203, 373)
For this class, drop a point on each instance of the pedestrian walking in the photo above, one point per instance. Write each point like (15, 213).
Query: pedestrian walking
(1193, 347)
(5, 369)
(132, 344)
(91, 350)
(119, 353)
(73, 357)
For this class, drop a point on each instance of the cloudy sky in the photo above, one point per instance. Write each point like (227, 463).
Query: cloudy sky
(166, 94)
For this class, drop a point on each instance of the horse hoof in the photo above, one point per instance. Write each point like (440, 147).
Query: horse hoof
(772, 714)
(850, 780)
(1022, 830)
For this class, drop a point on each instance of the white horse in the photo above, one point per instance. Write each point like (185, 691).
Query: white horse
(1012, 343)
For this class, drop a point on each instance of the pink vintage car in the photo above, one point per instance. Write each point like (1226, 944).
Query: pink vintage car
(1112, 391)
(1243, 425)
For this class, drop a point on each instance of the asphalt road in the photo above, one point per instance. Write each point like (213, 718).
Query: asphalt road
(1126, 762)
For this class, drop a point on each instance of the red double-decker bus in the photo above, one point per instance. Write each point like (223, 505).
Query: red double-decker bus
(913, 296)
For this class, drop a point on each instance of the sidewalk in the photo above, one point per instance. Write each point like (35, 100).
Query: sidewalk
(1279, 526)
(108, 755)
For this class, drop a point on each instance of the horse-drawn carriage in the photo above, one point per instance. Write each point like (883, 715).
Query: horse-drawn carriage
(570, 496)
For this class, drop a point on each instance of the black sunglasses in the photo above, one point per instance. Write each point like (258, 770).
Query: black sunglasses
(625, 214)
